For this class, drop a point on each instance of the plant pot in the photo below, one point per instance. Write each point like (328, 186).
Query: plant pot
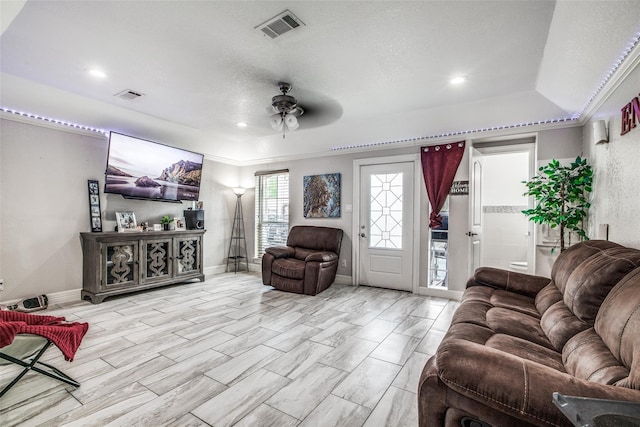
(165, 227)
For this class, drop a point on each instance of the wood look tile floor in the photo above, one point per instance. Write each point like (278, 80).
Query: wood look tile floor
(231, 351)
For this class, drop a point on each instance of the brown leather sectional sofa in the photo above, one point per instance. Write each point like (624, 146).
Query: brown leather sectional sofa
(308, 264)
(516, 338)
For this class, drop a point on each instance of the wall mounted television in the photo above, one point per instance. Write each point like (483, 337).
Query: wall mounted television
(141, 169)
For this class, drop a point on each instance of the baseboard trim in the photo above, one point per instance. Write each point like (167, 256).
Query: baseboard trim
(74, 294)
(440, 293)
(219, 269)
(343, 280)
(54, 298)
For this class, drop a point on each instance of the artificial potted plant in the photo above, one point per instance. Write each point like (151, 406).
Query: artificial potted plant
(165, 221)
(561, 194)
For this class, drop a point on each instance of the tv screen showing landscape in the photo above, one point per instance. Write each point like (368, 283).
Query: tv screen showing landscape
(147, 170)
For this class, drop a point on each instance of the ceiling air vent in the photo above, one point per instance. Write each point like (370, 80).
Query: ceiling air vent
(280, 24)
(129, 95)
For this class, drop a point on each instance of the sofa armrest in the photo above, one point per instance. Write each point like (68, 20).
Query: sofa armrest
(321, 257)
(525, 284)
(281, 251)
(517, 387)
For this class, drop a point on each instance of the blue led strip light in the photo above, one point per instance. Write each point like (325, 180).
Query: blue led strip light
(54, 121)
(625, 54)
(462, 132)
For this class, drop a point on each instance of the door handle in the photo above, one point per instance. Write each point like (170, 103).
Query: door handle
(471, 234)
(363, 235)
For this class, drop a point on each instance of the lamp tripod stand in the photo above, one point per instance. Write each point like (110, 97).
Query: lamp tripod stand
(238, 244)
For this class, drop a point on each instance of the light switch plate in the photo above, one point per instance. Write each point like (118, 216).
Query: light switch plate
(603, 231)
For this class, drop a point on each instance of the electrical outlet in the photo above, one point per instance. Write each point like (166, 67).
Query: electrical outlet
(343, 263)
(1, 285)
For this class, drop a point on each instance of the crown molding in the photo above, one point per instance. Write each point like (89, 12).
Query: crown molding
(621, 70)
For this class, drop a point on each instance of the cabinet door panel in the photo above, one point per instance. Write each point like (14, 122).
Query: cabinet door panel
(157, 259)
(120, 264)
(188, 256)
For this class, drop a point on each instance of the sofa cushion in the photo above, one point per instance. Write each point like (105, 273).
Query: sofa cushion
(280, 251)
(618, 325)
(609, 352)
(525, 349)
(303, 253)
(586, 357)
(287, 285)
(516, 324)
(575, 255)
(589, 284)
(502, 298)
(315, 238)
(584, 286)
(499, 320)
(559, 324)
(288, 267)
(519, 283)
(547, 297)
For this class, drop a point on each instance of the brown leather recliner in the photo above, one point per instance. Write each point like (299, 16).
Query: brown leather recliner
(516, 339)
(309, 262)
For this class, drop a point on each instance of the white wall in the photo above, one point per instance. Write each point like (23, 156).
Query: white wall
(344, 165)
(559, 143)
(616, 197)
(44, 206)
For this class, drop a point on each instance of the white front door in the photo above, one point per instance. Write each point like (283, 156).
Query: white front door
(475, 208)
(386, 225)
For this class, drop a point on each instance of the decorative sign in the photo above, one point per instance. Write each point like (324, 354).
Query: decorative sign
(459, 188)
(630, 114)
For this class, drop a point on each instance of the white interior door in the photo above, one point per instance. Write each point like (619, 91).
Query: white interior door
(475, 210)
(386, 225)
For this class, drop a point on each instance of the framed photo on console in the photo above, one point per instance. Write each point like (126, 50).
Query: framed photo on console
(180, 223)
(94, 205)
(126, 221)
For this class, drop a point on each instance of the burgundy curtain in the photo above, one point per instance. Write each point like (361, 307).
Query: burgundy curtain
(439, 166)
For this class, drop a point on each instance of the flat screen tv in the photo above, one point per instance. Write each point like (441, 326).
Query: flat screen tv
(142, 169)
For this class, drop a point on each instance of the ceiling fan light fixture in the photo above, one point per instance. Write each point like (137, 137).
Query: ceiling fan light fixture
(291, 121)
(286, 109)
(276, 122)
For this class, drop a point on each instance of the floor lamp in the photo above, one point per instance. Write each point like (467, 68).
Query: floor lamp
(238, 244)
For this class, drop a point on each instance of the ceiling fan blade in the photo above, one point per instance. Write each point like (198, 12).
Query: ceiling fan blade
(320, 113)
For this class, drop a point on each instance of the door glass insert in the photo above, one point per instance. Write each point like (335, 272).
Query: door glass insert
(157, 259)
(439, 248)
(120, 264)
(187, 255)
(385, 224)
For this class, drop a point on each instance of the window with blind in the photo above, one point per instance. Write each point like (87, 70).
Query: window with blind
(272, 209)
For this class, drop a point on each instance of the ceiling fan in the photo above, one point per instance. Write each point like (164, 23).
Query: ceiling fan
(286, 110)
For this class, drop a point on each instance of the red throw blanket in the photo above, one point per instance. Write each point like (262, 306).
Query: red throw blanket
(67, 336)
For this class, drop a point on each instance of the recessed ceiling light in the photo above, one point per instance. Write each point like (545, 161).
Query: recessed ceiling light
(458, 80)
(242, 124)
(97, 73)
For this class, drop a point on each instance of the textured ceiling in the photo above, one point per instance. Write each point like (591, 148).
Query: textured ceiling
(366, 72)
